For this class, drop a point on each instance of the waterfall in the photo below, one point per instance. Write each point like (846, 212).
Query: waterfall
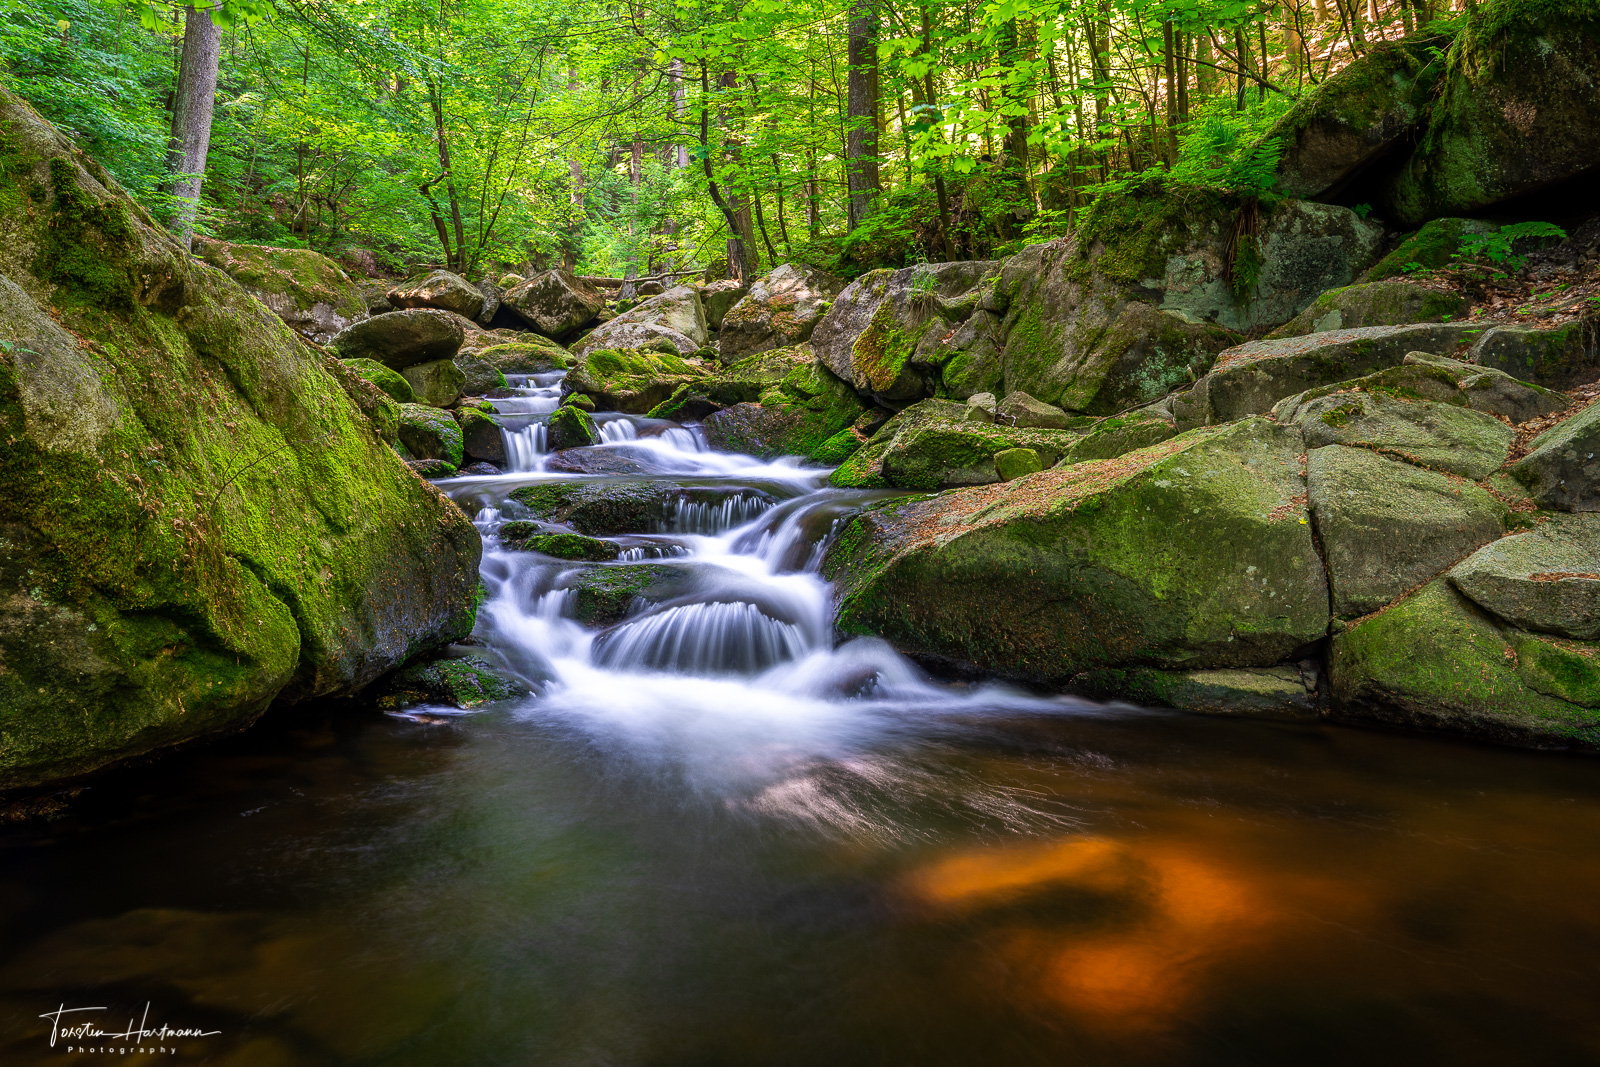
(702, 639)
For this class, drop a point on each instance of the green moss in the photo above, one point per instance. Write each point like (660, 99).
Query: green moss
(1568, 670)
(603, 596)
(389, 381)
(562, 545)
(463, 683)
(1430, 248)
(87, 246)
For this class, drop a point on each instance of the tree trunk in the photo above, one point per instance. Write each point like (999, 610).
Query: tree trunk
(680, 151)
(861, 144)
(1205, 76)
(1170, 58)
(197, 90)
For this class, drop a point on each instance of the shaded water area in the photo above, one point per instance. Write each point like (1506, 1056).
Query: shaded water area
(713, 836)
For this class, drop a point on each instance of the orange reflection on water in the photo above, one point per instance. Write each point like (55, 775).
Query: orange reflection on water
(1135, 929)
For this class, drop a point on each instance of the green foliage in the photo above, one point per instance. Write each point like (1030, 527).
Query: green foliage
(1499, 248)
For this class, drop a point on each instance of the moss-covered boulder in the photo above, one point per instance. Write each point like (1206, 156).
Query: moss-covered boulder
(197, 518)
(523, 536)
(672, 323)
(1547, 579)
(479, 376)
(1396, 302)
(807, 412)
(482, 436)
(601, 509)
(1445, 437)
(891, 333)
(570, 426)
(1250, 379)
(556, 303)
(719, 298)
(1030, 413)
(1120, 434)
(1356, 117)
(780, 310)
(1562, 470)
(604, 596)
(1193, 554)
(1559, 357)
(1422, 376)
(1515, 114)
(392, 383)
(310, 292)
(1435, 245)
(628, 380)
(1251, 692)
(379, 407)
(742, 382)
(438, 289)
(465, 682)
(932, 445)
(401, 339)
(1435, 661)
(429, 433)
(1387, 527)
(437, 383)
(525, 357)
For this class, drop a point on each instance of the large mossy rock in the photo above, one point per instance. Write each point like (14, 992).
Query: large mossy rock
(673, 322)
(392, 383)
(570, 426)
(719, 298)
(743, 382)
(1192, 554)
(429, 433)
(1251, 378)
(401, 339)
(438, 289)
(1547, 579)
(479, 376)
(1437, 662)
(934, 445)
(197, 518)
(1355, 118)
(1444, 437)
(482, 436)
(1563, 471)
(1421, 376)
(628, 380)
(1558, 356)
(1434, 246)
(604, 596)
(1387, 526)
(310, 292)
(1397, 302)
(1515, 114)
(556, 303)
(525, 357)
(780, 310)
(892, 333)
(807, 412)
(438, 383)
(601, 509)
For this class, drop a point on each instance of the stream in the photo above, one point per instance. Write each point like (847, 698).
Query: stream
(716, 836)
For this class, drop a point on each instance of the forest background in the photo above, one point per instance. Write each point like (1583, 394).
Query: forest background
(638, 139)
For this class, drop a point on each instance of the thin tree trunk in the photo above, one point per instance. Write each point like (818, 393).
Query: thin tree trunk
(861, 139)
(932, 97)
(738, 251)
(197, 91)
(678, 94)
(1170, 61)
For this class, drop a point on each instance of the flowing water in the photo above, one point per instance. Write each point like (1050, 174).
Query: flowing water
(713, 835)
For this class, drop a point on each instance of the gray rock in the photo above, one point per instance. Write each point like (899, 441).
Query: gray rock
(1021, 410)
(780, 310)
(400, 339)
(429, 433)
(481, 437)
(491, 301)
(1562, 472)
(479, 375)
(439, 289)
(437, 384)
(1424, 376)
(1387, 527)
(1547, 579)
(1442, 436)
(1396, 302)
(719, 297)
(1559, 357)
(675, 319)
(555, 303)
(981, 408)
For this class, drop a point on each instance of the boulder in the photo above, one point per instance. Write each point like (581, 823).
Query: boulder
(1562, 471)
(510, 281)
(466, 682)
(1436, 662)
(981, 408)
(806, 412)
(604, 596)
(1444, 437)
(1194, 554)
(1014, 463)
(601, 509)
(376, 296)
(892, 333)
(780, 310)
(1285, 692)
(1397, 302)
(739, 383)
(1432, 247)
(672, 322)
(931, 445)
(491, 301)
(176, 559)
(1387, 527)
(438, 383)
(556, 303)
(1558, 357)
(594, 461)
(1249, 379)
(569, 546)
(1547, 579)
(1356, 117)
(429, 433)
(1424, 376)
(1121, 434)
(310, 292)
(719, 297)
(390, 382)
(438, 289)
(481, 469)
(482, 437)
(525, 357)
(1023, 411)
(479, 376)
(1515, 114)
(380, 409)
(570, 427)
(432, 468)
(400, 339)
(628, 380)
